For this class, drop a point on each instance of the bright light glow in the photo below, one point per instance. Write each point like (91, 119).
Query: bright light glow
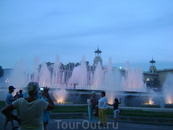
(150, 102)
(7, 80)
(59, 101)
(60, 95)
(169, 100)
(110, 101)
(148, 79)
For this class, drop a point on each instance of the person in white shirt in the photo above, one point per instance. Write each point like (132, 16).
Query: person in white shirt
(30, 109)
(102, 105)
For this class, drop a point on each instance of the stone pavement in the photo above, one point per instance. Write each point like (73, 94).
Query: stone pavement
(129, 119)
(67, 121)
(83, 124)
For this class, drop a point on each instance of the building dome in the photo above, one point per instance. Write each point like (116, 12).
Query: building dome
(153, 69)
(97, 59)
(97, 56)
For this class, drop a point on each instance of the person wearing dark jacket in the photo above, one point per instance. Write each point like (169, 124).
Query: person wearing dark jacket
(116, 109)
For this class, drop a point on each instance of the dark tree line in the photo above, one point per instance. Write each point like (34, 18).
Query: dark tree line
(154, 83)
(1, 72)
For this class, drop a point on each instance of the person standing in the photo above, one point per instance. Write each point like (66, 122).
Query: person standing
(46, 114)
(20, 95)
(92, 106)
(30, 109)
(116, 109)
(102, 105)
(8, 100)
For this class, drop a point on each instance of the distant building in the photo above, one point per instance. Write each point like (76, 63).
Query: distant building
(97, 56)
(155, 78)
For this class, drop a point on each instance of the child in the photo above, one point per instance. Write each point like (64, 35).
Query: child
(116, 109)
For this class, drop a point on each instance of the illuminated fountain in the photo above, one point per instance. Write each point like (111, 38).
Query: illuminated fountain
(79, 75)
(19, 76)
(98, 81)
(151, 101)
(133, 79)
(168, 91)
(76, 86)
(56, 72)
(150, 104)
(104, 78)
(60, 95)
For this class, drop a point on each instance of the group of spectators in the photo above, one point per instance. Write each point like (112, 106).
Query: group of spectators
(34, 105)
(32, 108)
(98, 108)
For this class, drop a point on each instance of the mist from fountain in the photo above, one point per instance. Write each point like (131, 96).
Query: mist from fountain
(168, 89)
(44, 76)
(155, 98)
(133, 80)
(98, 77)
(82, 77)
(56, 72)
(109, 80)
(79, 74)
(63, 78)
(35, 77)
(60, 95)
(19, 76)
(104, 78)
(113, 77)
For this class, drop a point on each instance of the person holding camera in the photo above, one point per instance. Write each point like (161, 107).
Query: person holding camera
(30, 109)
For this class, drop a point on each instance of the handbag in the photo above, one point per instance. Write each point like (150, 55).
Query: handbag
(95, 112)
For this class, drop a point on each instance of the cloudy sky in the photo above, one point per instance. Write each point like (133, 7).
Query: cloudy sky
(133, 30)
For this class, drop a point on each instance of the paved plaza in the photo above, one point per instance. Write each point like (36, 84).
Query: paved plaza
(83, 124)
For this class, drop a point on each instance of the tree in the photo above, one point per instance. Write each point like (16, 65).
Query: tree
(155, 82)
(1, 72)
(49, 63)
(77, 64)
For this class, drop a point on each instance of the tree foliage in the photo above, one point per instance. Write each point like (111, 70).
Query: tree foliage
(1, 72)
(153, 83)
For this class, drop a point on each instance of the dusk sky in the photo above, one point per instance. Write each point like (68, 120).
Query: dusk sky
(133, 30)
